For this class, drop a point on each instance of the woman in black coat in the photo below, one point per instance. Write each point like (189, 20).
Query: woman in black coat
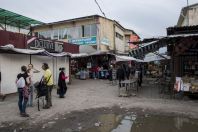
(61, 83)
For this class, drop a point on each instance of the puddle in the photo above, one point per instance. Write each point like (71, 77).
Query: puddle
(107, 123)
(164, 124)
(125, 124)
(132, 123)
(111, 120)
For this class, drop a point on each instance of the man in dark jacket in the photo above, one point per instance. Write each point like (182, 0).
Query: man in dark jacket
(120, 74)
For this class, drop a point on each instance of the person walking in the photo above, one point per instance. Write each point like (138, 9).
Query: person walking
(126, 71)
(48, 80)
(61, 83)
(22, 83)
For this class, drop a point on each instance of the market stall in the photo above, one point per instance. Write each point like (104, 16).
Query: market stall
(184, 54)
(11, 59)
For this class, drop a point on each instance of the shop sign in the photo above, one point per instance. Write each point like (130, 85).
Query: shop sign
(49, 45)
(84, 41)
(105, 41)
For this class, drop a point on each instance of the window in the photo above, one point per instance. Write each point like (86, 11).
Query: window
(93, 30)
(89, 30)
(119, 36)
(74, 32)
(63, 33)
(55, 34)
(41, 35)
(45, 34)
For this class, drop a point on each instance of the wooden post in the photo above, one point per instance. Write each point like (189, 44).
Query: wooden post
(70, 79)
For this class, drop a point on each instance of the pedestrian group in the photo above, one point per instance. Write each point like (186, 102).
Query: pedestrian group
(25, 86)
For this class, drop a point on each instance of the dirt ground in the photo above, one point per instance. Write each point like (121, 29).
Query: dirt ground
(89, 96)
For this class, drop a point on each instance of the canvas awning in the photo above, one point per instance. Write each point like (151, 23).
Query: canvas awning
(11, 49)
(155, 57)
(100, 53)
(126, 58)
(79, 55)
(119, 58)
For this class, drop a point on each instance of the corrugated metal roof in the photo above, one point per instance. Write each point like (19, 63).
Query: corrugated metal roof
(145, 48)
(16, 20)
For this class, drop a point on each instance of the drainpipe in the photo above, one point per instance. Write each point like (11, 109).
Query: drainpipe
(187, 16)
(98, 36)
(114, 44)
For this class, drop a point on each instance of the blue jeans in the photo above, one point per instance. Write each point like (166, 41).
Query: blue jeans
(95, 75)
(22, 101)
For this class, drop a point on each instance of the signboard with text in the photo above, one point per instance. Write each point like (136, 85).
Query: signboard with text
(49, 45)
(84, 41)
(105, 41)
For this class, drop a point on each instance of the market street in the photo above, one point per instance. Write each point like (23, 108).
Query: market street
(89, 94)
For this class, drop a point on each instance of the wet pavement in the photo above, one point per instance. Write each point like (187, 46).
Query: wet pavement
(113, 119)
(87, 108)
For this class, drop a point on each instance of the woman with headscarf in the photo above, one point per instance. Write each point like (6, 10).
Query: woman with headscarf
(61, 83)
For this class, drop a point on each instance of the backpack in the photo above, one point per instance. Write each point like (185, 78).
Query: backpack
(20, 82)
(42, 90)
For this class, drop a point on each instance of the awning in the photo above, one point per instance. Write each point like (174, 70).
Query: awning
(62, 54)
(79, 55)
(153, 46)
(100, 53)
(10, 48)
(126, 58)
(182, 35)
(145, 48)
(155, 57)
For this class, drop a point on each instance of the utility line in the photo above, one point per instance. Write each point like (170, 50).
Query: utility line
(100, 8)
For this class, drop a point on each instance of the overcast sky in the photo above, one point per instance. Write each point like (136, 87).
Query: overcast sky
(148, 18)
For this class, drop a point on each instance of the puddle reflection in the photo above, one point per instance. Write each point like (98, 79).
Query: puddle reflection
(132, 123)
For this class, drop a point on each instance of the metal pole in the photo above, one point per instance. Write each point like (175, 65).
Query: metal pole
(30, 59)
(5, 23)
(187, 16)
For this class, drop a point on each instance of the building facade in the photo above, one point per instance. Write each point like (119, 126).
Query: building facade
(92, 33)
(11, 61)
(188, 16)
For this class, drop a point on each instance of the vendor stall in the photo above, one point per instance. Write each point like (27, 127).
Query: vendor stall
(11, 60)
(184, 54)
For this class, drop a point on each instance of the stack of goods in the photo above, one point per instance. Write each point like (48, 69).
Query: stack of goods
(194, 86)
